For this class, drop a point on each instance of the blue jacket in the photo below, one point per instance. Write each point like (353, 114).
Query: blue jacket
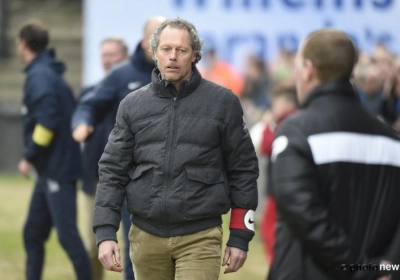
(93, 147)
(48, 101)
(99, 108)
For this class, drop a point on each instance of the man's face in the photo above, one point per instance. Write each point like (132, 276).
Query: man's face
(174, 55)
(281, 106)
(111, 54)
(299, 76)
(373, 81)
(145, 43)
(20, 45)
(305, 75)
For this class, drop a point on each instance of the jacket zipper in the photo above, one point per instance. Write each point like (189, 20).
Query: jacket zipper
(169, 159)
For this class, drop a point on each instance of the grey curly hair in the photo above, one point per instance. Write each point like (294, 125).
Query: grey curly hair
(196, 42)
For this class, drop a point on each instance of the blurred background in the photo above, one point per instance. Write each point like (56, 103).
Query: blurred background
(249, 47)
(253, 41)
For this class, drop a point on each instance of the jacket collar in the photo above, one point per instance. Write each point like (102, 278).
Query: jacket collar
(284, 116)
(48, 57)
(163, 87)
(341, 88)
(140, 61)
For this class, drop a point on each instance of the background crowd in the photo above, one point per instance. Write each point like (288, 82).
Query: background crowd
(376, 77)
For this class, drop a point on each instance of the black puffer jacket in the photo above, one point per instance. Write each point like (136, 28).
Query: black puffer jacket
(337, 185)
(181, 162)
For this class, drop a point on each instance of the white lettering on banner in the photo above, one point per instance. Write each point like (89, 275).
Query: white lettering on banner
(354, 147)
(288, 41)
(289, 4)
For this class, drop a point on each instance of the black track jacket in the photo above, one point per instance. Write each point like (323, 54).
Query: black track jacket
(336, 173)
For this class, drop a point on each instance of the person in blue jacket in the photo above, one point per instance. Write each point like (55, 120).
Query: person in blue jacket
(48, 104)
(103, 104)
(113, 51)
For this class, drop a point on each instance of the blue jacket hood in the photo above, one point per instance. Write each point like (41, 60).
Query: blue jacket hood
(48, 58)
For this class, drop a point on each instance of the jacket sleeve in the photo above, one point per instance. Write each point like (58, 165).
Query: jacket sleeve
(95, 104)
(300, 207)
(242, 168)
(43, 104)
(114, 166)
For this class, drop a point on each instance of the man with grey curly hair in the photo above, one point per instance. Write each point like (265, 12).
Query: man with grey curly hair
(181, 156)
(195, 41)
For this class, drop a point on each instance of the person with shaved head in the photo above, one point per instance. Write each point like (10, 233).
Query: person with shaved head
(336, 174)
(97, 110)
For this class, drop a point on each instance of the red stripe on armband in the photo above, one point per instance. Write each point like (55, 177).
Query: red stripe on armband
(242, 219)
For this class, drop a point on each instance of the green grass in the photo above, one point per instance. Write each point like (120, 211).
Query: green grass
(14, 200)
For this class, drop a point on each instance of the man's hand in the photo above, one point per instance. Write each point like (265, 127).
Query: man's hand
(108, 252)
(236, 258)
(24, 168)
(82, 132)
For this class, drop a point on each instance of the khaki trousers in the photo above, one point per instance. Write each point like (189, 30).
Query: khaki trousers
(90, 237)
(194, 256)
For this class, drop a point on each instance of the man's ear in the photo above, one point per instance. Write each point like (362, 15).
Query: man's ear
(310, 72)
(154, 56)
(21, 43)
(142, 44)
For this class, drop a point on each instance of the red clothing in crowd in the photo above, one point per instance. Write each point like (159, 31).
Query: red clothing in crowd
(269, 217)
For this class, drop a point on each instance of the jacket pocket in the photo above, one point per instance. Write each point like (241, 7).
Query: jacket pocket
(138, 190)
(204, 193)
